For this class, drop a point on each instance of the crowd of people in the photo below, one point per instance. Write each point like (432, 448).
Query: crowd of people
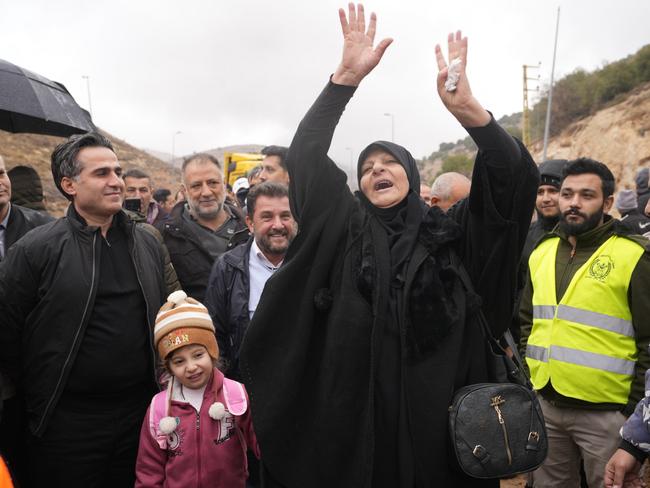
(286, 332)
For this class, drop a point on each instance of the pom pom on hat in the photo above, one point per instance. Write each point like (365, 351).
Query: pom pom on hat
(217, 411)
(177, 297)
(168, 424)
(182, 321)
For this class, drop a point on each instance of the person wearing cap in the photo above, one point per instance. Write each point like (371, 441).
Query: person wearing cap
(78, 301)
(547, 207)
(196, 432)
(631, 219)
(585, 323)
(240, 188)
(547, 211)
(642, 185)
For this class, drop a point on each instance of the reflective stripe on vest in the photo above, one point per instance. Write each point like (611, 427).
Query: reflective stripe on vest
(575, 356)
(585, 344)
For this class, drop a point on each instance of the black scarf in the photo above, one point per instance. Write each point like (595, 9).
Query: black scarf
(400, 223)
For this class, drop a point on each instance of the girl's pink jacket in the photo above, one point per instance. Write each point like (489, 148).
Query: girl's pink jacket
(201, 452)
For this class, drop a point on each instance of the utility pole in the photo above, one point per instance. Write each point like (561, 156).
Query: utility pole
(550, 91)
(525, 119)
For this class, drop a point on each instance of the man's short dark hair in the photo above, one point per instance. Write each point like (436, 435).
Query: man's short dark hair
(201, 157)
(161, 195)
(279, 151)
(583, 166)
(138, 174)
(269, 189)
(64, 157)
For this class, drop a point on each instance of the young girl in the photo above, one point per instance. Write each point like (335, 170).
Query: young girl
(196, 432)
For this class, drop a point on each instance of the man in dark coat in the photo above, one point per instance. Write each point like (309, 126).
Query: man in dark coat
(15, 222)
(78, 300)
(364, 334)
(239, 275)
(547, 209)
(199, 231)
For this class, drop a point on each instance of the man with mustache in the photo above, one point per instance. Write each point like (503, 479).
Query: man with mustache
(238, 277)
(78, 300)
(201, 229)
(586, 326)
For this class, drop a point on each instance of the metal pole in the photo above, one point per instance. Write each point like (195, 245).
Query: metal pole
(90, 107)
(392, 126)
(550, 91)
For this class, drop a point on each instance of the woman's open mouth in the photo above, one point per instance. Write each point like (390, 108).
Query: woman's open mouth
(383, 185)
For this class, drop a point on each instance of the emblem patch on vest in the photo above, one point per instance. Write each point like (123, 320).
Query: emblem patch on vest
(601, 267)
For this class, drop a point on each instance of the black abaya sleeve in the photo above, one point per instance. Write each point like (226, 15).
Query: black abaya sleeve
(495, 219)
(315, 180)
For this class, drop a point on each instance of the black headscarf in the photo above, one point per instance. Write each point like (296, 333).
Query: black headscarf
(400, 222)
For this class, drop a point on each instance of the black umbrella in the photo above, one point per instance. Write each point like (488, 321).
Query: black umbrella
(34, 104)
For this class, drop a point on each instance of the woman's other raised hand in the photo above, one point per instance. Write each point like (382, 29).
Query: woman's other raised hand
(460, 102)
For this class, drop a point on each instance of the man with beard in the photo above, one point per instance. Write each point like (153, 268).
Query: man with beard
(238, 277)
(585, 326)
(200, 230)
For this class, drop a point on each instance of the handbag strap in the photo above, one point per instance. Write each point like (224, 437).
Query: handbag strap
(485, 327)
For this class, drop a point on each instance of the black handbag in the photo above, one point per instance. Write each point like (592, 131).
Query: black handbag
(497, 429)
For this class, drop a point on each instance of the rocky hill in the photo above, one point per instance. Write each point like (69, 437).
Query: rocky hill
(618, 135)
(34, 150)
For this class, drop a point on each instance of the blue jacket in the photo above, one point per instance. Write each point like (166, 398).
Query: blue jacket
(227, 301)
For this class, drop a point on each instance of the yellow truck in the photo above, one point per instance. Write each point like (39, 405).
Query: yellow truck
(237, 165)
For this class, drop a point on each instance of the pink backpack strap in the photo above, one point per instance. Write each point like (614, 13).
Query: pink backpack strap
(157, 411)
(235, 397)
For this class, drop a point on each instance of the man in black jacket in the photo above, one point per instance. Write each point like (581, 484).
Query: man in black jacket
(201, 230)
(15, 222)
(238, 277)
(78, 299)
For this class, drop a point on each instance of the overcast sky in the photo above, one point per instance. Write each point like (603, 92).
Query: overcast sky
(245, 71)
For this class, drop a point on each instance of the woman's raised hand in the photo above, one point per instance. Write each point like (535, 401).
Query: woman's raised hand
(359, 58)
(460, 102)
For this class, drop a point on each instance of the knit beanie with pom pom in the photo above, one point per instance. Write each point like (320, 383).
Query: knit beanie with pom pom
(183, 321)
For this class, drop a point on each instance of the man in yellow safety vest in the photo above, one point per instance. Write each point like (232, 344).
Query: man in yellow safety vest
(585, 321)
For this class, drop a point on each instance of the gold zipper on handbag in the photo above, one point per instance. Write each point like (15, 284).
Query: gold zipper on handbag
(495, 402)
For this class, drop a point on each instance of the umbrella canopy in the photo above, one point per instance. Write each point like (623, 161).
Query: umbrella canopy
(34, 104)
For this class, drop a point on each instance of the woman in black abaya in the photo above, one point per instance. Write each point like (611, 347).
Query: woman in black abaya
(364, 334)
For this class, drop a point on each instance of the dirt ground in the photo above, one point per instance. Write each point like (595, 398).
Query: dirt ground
(518, 482)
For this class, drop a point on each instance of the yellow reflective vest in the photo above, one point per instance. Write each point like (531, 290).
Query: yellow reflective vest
(585, 344)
